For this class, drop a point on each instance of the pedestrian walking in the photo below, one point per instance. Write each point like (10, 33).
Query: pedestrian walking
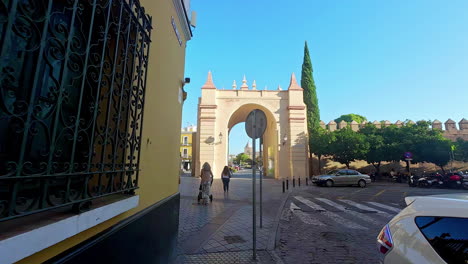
(226, 177)
(205, 183)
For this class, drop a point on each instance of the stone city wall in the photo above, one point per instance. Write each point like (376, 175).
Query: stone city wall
(449, 128)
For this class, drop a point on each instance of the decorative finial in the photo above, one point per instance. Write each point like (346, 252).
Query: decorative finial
(244, 85)
(234, 85)
(293, 83)
(279, 87)
(254, 85)
(209, 82)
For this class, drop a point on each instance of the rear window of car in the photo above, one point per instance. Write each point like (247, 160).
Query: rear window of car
(447, 235)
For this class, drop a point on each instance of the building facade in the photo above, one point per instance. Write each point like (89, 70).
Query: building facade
(87, 172)
(186, 142)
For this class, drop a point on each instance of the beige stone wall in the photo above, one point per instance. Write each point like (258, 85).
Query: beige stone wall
(220, 110)
(451, 130)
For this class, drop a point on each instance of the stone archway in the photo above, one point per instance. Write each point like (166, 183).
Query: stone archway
(285, 140)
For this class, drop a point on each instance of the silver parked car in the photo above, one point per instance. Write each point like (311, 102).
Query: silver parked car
(342, 177)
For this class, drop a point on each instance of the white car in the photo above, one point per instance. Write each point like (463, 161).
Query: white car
(431, 229)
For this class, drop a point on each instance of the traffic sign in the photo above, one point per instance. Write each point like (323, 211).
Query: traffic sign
(255, 124)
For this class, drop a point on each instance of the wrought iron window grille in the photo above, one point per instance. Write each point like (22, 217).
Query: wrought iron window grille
(72, 86)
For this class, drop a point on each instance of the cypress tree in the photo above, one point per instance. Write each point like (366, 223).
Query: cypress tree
(310, 100)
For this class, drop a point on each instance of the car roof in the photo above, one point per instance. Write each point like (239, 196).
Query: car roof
(453, 204)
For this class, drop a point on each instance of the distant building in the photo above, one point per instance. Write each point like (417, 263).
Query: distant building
(187, 136)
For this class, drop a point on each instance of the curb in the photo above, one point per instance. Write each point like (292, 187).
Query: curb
(272, 239)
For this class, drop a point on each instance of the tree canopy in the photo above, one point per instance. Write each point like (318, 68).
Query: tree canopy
(351, 117)
(241, 158)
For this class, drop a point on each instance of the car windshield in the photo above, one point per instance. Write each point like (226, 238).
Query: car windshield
(333, 172)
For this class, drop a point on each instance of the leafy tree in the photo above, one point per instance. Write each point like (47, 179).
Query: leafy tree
(377, 146)
(241, 158)
(320, 144)
(310, 98)
(461, 150)
(435, 150)
(350, 117)
(348, 146)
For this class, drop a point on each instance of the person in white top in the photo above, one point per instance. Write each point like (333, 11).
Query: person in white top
(226, 177)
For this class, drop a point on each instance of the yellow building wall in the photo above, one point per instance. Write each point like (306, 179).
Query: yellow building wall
(160, 159)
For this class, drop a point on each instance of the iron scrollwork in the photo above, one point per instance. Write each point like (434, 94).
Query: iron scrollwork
(72, 88)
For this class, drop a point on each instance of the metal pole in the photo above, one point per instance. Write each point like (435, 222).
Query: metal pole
(261, 179)
(254, 222)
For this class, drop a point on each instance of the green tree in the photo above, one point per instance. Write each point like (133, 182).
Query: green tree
(348, 146)
(320, 144)
(241, 158)
(351, 117)
(435, 150)
(377, 146)
(310, 99)
(460, 151)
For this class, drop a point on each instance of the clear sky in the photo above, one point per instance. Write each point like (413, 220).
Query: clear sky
(385, 60)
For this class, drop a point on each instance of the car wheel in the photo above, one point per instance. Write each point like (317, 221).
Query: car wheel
(362, 183)
(329, 183)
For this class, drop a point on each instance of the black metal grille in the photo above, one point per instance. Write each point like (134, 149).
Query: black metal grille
(72, 86)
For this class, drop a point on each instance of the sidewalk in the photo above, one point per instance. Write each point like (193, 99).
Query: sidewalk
(221, 232)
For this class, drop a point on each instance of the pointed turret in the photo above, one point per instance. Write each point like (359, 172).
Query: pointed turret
(254, 85)
(244, 85)
(234, 85)
(293, 83)
(209, 82)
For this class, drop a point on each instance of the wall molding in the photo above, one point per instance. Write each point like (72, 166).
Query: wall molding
(183, 19)
(25, 244)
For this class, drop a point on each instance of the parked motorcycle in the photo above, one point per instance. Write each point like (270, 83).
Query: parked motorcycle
(431, 181)
(465, 182)
(454, 180)
(413, 181)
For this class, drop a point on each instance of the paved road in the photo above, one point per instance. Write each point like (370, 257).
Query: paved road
(339, 224)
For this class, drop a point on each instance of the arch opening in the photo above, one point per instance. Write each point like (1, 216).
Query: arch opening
(269, 153)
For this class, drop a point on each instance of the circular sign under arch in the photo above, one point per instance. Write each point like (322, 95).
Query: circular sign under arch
(255, 124)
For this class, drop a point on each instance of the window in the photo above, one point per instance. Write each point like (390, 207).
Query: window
(352, 172)
(72, 105)
(447, 235)
(185, 153)
(342, 172)
(185, 141)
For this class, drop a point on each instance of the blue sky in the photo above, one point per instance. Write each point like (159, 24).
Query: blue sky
(385, 60)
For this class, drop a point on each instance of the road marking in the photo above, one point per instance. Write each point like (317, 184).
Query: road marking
(340, 220)
(305, 218)
(394, 209)
(293, 207)
(363, 207)
(309, 203)
(379, 193)
(353, 213)
(362, 189)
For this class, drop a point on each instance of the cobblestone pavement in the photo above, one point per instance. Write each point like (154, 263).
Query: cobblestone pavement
(339, 225)
(221, 232)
